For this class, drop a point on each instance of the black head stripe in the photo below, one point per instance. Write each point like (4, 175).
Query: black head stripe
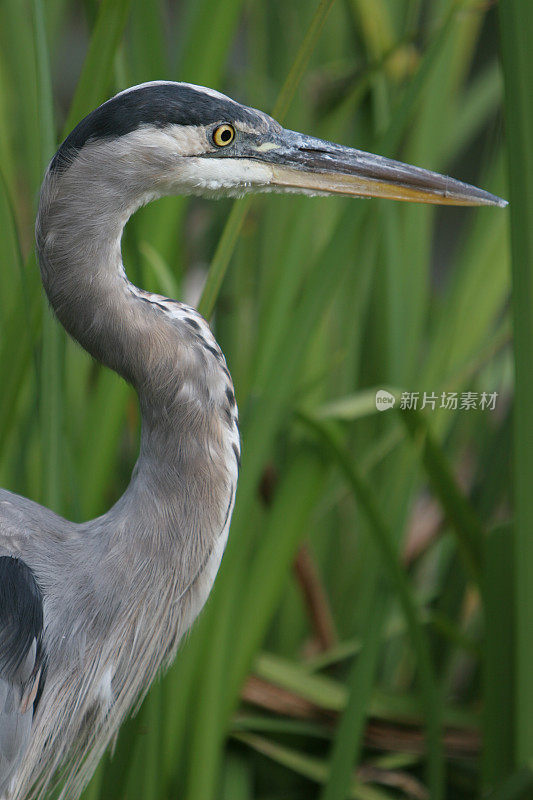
(160, 105)
(21, 613)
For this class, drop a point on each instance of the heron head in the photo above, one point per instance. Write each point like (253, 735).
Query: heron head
(165, 137)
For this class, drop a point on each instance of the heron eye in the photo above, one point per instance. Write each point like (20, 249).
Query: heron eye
(223, 135)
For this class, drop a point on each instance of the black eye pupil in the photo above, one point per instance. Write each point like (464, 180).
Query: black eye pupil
(225, 135)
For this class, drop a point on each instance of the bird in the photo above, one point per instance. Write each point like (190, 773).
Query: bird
(91, 612)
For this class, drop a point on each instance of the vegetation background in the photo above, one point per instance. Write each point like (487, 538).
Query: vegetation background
(369, 634)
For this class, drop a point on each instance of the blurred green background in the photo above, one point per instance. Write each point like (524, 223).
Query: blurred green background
(369, 632)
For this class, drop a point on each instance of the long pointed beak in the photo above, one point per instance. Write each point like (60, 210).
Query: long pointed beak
(302, 163)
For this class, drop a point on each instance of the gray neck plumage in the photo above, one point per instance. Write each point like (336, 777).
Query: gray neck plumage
(189, 443)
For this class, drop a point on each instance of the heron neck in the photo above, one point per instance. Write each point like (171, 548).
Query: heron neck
(187, 466)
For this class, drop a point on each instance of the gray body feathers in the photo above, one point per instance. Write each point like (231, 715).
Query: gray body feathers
(15, 721)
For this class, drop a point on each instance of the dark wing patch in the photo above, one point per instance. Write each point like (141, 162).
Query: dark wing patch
(159, 105)
(21, 614)
(230, 396)
(21, 662)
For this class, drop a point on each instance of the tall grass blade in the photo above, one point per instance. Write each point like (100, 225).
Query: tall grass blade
(516, 31)
(53, 341)
(498, 711)
(95, 77)
(460, 513)
(348, 740)
(313, 768)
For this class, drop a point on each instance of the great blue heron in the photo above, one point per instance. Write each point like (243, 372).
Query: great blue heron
(90, 612)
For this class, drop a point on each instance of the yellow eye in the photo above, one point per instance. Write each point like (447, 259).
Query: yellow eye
(223, 135)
